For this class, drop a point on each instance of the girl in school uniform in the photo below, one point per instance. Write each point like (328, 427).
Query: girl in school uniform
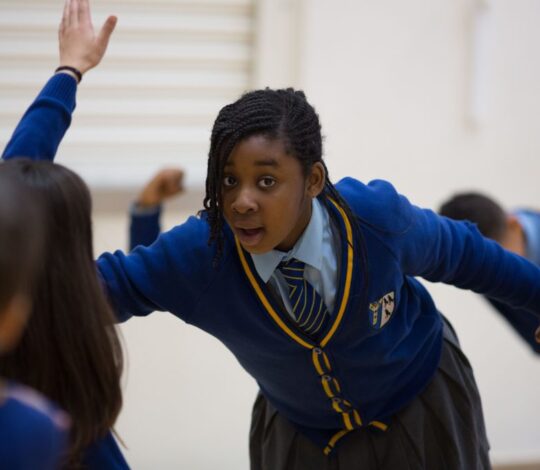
(70, 350)
(312, 287)
(33, 431)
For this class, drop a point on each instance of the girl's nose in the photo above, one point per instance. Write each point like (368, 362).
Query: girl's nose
(244, 202)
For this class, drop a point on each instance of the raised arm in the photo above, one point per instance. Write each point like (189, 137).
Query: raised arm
(144, 226)
(45, 122)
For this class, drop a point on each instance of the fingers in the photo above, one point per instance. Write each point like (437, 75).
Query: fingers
(106, 31)
(84, 16)
(173, 180)
(174, 185)
(180, 181)
(65, 16)
(73, 13)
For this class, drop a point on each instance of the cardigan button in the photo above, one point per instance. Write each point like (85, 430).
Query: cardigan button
(317, 351)
(336, 400)
(327, 378)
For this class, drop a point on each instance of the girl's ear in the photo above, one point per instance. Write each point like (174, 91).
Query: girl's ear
(316, 179)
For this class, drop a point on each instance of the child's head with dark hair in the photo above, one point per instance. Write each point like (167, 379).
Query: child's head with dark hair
(479, 209)
(264, 167)
(21, 225)
(70, 350)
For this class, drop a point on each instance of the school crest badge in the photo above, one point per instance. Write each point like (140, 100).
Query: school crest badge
(381, 311)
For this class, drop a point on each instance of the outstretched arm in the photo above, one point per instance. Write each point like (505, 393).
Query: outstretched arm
(524, 323)
(44, 124)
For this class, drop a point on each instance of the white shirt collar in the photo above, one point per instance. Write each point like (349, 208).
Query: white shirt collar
(308, 248)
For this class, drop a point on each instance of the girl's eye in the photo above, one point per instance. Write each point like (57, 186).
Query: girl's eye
(229, 181)
(267, 182)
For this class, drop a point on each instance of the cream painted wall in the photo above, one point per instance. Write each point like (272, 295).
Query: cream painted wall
(390, 80)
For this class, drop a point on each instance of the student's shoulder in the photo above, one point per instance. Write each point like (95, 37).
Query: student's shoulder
(33, 431)
(25, 405)
(105, 453)
(194, 231)
(527, 212)
(377, 203)
(189, 242)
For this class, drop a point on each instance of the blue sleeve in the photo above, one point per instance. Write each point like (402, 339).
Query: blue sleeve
(105, 454)
(442, 250)
(170, 275)
(48, 448)
(144, 227)
(524, 323)
(45, 122)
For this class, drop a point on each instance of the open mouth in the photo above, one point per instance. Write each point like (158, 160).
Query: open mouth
(250, 236)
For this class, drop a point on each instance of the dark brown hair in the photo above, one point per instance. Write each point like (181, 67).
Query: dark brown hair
(70, 351)
(21, 225)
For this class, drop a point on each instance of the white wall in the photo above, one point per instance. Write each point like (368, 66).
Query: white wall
(392, 82)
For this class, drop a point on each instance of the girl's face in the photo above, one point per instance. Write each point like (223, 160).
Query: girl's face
(266, 196)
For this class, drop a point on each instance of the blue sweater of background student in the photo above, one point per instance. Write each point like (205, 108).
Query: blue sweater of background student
(38, 137)
(384, 342)
(523, 322)
(33, 432)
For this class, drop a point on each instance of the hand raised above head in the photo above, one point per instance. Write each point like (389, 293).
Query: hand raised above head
(80, 46)
(165, 184)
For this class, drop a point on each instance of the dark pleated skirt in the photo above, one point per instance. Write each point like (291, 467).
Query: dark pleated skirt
(442, 429)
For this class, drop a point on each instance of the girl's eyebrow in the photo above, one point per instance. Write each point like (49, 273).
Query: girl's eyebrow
(269, 161)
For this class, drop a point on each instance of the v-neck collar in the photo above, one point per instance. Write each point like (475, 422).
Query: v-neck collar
(280, 317)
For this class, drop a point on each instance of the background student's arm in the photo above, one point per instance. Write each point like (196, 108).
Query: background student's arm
(144, 227)
(44, 124)
(524, 323)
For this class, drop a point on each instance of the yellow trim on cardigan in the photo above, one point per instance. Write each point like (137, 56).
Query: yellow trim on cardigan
(344, 299)
(264, 300)
(326, 387)
(347, 421)
(348, 276)
(315, 359)
(379, 425)
(326, 361)
(332, 442)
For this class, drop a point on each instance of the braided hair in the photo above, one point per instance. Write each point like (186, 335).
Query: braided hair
(283, 114)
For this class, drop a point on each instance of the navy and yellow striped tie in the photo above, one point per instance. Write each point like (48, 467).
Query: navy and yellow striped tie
(307, 305)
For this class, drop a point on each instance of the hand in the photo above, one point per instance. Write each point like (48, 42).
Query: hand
(80, 47)
(163, 185)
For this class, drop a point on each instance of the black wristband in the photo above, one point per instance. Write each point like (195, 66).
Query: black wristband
(71, 69)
